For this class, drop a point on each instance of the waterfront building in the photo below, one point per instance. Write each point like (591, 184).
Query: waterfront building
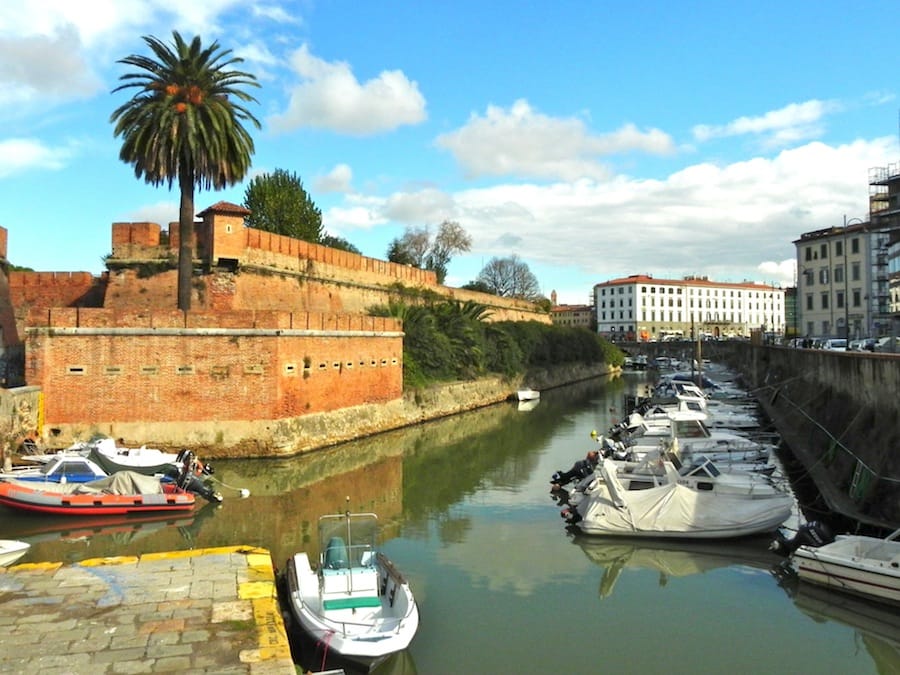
(577, 316)
(639, 307)
(836, 281)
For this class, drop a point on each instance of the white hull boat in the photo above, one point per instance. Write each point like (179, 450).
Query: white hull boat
(528, 394)
(11, 550)
(613, 506)
(355, 601)
(866, 566)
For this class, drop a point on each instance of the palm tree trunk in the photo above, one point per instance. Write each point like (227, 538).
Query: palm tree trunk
(185, 240)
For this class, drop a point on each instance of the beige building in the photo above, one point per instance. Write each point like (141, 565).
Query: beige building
(836, 281)
(581, 316)
(642, 308)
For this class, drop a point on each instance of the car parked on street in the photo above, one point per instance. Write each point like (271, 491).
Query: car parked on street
(888, 344)
(835, 345)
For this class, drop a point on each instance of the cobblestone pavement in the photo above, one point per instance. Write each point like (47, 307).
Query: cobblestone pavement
(202, 611)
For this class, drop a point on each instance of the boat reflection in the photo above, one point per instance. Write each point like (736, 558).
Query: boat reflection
(671, 558)
(67, 538)
(877, 625)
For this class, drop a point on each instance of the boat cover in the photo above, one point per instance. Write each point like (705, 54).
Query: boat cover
(674, 508)
(121, 483)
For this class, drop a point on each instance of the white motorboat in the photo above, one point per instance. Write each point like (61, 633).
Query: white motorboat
(63, 467)
(693, 435)
(11, 550)
(697, 472)
(528, 394)
(616, 505)
(857, 564)
(355, 601)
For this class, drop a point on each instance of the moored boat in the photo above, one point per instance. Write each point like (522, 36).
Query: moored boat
(124, 492)
(614, 505)
(856, 564)
(355, 601)
(11, 550)
(64, 467)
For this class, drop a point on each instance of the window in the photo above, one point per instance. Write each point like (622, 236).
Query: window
(854, 272)
(839, 300)
(809, 302)
(838, 248)
(824, 300)
(823, 251)
(808, 254)
(823, 275)
(856, 298)
(854, 245)
(839, 275)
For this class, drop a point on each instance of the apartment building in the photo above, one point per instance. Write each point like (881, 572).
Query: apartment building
(639, 307)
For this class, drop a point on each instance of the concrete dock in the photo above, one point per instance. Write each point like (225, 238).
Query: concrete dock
(203, 611)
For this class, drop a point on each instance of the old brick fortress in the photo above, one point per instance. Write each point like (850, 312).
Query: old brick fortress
(277, 354)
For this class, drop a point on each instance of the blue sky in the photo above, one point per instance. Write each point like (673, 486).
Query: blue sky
(591, 139)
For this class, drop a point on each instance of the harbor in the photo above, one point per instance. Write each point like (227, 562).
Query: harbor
(201, 611)
(465, 511)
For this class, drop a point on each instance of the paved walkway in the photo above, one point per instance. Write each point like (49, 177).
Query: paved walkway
(203, 611)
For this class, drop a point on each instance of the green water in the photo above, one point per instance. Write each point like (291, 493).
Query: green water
(502, 587)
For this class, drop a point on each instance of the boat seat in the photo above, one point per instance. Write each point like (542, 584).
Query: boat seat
(336, 554)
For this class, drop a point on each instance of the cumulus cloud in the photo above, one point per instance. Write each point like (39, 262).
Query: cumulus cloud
(726, 221)
(22, 154)
(522, 142)
(328, 96)
(336, 180)
(790, 124)
(44, 69)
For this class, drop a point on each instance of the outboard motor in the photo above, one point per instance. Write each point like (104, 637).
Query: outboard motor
(187, 478)
(813, 533)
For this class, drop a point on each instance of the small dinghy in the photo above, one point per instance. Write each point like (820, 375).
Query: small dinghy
(124, 492)
(355, 602)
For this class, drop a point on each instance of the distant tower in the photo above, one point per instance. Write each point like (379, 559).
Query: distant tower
(553, 298)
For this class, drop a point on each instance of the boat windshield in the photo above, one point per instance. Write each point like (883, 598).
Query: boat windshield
(348, 540)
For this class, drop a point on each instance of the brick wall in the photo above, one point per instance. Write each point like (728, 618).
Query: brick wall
(111, 366)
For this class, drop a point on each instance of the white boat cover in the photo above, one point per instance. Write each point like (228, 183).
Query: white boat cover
(673, 509)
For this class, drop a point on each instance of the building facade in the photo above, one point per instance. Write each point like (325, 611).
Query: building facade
(639, 307)
(576, 316)
(838, 282)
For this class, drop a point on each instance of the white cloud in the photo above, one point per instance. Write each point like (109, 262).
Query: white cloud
(423, 207)
(790, 124)
(40, 69)
(22, 154)
(522, 142)
(722, 221)
(162, 213)
(337, 180)
(329, 96)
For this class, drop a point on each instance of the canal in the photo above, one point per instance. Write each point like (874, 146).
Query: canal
(466, 514)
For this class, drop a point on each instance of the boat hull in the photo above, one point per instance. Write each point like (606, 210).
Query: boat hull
(11, 550)
(366, 625)
(862, 566)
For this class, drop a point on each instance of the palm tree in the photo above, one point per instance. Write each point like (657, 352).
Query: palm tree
(184, 124)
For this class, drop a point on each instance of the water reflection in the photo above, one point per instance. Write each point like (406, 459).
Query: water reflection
(671, 559)
(876, 625)
(465, 511)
